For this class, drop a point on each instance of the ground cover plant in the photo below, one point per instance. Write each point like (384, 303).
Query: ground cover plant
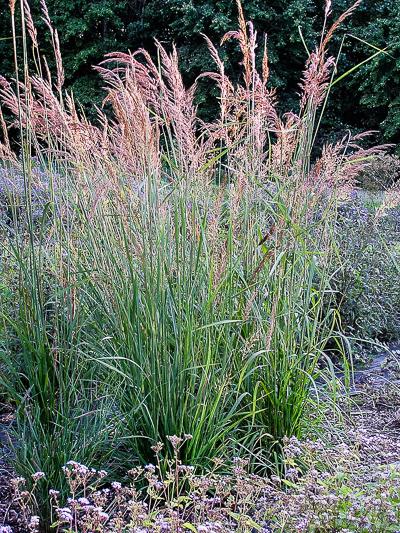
(173, 278)
(321, 491)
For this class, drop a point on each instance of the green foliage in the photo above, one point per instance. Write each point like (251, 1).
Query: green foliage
(378, 83)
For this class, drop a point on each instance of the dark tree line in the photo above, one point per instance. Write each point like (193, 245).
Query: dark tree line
(369, 98)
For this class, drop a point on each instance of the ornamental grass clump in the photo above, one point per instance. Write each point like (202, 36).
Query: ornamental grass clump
(181, 286)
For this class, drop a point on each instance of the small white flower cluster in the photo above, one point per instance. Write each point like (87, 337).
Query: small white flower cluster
(38, 475)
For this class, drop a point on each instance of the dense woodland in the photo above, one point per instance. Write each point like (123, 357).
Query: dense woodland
(369, 98)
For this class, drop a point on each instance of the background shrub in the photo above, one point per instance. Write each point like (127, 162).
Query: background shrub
(381, 174)
(367, 281)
